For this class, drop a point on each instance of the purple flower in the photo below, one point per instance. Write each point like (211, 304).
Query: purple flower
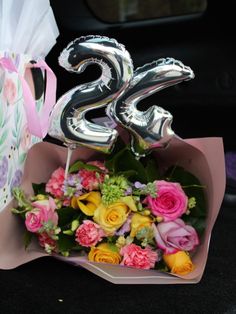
(16, 180)
(128, 191)
(125, 228)
(72, 185)
(139, 185)
(3, 171)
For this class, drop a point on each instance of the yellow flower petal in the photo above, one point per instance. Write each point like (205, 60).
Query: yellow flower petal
(94, 197)
(83, 196)
(138, 222)
(73, 202)
(87, 202)
(87, 209)
(179, 263)
(112, 217)
(129, 201)
(104, 253)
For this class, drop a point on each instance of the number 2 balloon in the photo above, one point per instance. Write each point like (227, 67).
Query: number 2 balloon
(68, 117)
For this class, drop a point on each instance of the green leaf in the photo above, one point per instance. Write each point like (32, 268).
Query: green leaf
(3, 137)
(2, 150)
(161, 266)
(110, 159)
(19, 210)
(192, 187)
(39, 188)
(14, 133)
(124, 161)
(22, 158)
(179, 174)
(198, 223)
(113, 247)
(200, 210)
(1, 116)
(27, 238)
(152, 172)
(66, 216)
(65, 242)
(81, 165)
(127, 174)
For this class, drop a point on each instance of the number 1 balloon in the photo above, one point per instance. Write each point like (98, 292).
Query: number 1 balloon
(152, 128)
(68, 117)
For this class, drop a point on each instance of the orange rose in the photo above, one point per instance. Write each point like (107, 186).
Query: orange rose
(179, 263)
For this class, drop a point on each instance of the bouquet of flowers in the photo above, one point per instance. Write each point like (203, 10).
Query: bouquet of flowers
(118, 210)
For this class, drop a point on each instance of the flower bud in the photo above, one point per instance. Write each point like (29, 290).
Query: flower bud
(40, 197)
(74, 225)
(159, 219)
(68, 232)
(65, 254)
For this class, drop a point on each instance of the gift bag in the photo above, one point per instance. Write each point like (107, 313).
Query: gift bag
(27, 85)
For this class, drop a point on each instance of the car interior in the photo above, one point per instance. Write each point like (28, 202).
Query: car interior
(201, 34)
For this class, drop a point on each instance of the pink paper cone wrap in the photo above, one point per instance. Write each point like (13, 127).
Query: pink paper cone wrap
(204, 157)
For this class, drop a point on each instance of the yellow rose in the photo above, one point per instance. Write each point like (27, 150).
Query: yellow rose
(87, 203)
(138, 222)
(179, 263)
(111, 217)
(105, 253)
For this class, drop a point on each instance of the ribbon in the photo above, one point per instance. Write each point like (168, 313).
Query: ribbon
(38, 123)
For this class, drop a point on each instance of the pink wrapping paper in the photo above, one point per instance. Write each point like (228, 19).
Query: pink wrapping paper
(204, 157)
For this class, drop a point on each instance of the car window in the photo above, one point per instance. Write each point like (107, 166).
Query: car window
(135, 10)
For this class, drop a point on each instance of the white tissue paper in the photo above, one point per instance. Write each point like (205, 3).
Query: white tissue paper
(27, 27)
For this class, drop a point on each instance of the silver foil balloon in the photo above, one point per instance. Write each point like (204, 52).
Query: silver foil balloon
(149, 129)
(68, 117)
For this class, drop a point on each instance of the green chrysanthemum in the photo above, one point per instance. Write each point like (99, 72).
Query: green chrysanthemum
(113, 189)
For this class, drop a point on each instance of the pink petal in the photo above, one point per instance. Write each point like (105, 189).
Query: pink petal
(160, 243)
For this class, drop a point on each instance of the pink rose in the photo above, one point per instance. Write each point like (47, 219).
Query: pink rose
(43, 211)
(56, 182)
(9, 91)
(91, 179)
(171, 201)
(173, 236)
(135, 256)
(89, 233)
(34, 220)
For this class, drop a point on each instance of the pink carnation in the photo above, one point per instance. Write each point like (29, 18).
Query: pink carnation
(42, 212)
(92, 179)
(89, 233)
(135, 256)
(46, 242)
(55, 183)
(171, 201)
